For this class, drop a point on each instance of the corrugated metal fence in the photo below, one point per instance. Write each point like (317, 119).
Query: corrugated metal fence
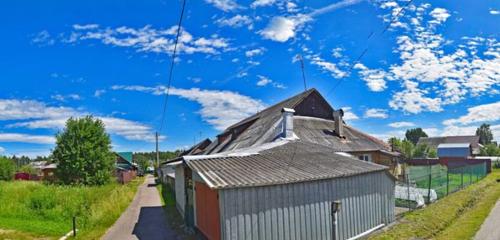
(302, 210)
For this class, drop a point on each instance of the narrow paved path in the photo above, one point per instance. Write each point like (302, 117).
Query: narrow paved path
(490, 230)
(144, 218)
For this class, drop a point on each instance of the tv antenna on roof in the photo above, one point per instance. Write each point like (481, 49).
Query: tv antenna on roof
(303, 73)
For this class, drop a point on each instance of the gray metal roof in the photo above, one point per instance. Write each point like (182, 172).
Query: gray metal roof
(295, 161)
(321, 131)
(262, 129)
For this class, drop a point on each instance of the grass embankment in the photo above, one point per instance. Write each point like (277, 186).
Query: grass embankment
(37, 210)
(458, 216)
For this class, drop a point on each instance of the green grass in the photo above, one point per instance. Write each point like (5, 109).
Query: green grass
(457, 216)
(40, 210)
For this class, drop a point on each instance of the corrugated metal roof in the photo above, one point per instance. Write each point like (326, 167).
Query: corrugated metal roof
(295, 161)
(454, 145)
(266, 125)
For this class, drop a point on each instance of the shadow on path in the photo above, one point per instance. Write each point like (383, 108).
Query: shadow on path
(151, 225)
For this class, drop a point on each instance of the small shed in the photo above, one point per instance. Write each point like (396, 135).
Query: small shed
(284, 190)
(454, 150)
(125, 168)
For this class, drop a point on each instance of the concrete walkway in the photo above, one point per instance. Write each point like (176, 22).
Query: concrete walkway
(490, 230)
(144, 218)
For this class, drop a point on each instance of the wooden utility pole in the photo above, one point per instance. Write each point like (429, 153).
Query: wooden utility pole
(157, 152)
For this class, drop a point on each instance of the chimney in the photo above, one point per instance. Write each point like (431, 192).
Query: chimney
(287, 131)
(339, 125)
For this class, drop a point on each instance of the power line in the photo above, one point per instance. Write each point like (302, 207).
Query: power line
(172, 64)
(368, 38)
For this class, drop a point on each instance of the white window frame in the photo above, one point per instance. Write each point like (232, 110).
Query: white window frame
(365, 157)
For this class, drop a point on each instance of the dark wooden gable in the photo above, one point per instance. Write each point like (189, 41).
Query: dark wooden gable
(314, 105)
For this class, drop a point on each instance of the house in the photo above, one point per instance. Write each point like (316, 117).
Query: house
(433, 142)
(125, 168)
(276, 175)
(458, 150)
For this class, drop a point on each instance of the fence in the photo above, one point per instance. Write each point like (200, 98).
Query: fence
(425, 184)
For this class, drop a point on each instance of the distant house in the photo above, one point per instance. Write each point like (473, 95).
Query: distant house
(434, 142)
(463, 150)
(275, 175)
(125, 168)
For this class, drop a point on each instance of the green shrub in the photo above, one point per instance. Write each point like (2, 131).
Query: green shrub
(7, 169)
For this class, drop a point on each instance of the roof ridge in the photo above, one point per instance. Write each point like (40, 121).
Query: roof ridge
(301, 94)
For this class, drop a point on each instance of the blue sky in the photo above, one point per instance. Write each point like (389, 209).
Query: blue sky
(437, 66)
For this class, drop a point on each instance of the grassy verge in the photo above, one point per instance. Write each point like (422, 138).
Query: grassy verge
(174, 219)
(457, 216)
(36, 210)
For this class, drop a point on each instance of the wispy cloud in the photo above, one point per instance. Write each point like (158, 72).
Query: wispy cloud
(401, 124)
(43, 38)
(63, 98)
(264, 81)
(282, 28)
(236, 21)
(26, 138)
(224, 5)
(148, 39)
(219, 108)
(376, 113)
(38, 115)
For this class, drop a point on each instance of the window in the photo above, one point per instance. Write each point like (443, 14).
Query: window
(365, 157)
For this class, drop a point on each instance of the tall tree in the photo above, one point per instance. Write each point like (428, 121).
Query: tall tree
(83, 152)
(414, 134)
(485, 134)
(7, 168)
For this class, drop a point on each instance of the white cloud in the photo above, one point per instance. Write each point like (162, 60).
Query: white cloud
(376, 113)
(262, 3)
(494, 12)
(374, 78)
(43, 38)
(263, 81)
(38, 115)
(413, 100)
(432, 73)
(219, 108)
(255, 52)
(148, 39)
(281, 28)
(13, 109)
(401, 124)
(481, 113)
(85, 26)
(224, 5)
(348, 114)
(440, 14)
(236, 21)
(2, 149)
(99, 93)
(26, 138)
(328, 66)
(63, 98)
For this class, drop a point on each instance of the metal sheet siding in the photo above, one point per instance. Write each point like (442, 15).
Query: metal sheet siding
(302, 210)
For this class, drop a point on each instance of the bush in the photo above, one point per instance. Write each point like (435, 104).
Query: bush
(27, 169)
(7, 169)
(83, 153)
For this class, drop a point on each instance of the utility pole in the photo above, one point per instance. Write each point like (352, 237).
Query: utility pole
(157, 152)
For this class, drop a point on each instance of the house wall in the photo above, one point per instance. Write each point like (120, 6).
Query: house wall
(377, 157)
(180, 197)
(302, 210)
